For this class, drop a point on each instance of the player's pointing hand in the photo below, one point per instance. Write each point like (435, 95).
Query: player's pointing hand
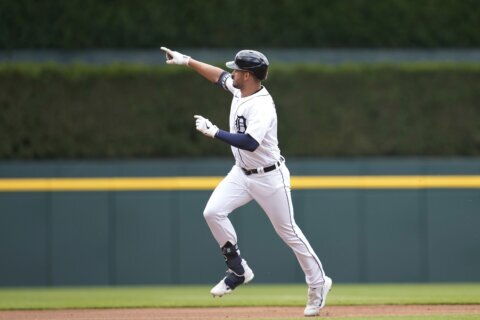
(174, 57)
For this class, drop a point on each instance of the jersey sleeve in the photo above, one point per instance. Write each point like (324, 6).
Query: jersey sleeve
(259, 120)
(226, 82)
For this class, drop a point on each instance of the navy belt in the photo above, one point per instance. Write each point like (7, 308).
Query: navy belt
(264, 169)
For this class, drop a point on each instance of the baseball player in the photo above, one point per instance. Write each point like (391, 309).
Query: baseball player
(259, 173)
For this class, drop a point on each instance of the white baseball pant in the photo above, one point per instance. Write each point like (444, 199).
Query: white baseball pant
(271, 191)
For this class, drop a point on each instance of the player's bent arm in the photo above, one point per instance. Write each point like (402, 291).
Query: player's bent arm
(238, 140)
(211, 73)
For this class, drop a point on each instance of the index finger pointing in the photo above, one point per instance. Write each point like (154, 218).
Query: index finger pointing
(168, 53)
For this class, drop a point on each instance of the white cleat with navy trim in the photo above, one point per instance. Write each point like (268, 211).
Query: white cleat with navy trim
(317, 298)
(222, 288)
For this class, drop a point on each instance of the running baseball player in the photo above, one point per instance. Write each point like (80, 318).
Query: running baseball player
(259, 173)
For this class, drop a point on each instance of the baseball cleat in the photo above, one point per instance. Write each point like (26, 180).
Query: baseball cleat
(317, 298)
(222, 288)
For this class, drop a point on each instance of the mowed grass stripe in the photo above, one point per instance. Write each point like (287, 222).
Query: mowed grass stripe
(250, 295)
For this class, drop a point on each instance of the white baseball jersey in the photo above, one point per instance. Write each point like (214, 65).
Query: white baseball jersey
(254, 115)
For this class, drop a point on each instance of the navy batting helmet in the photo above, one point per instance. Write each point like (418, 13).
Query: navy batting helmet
(251, 61)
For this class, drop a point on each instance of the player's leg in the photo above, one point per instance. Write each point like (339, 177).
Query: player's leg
(230, 194)
(272, 192)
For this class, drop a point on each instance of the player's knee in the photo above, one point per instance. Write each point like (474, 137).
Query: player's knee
(213, 214)
(209, 213)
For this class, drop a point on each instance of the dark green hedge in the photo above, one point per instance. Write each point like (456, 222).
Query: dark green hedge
(123, 111)
(75, 24)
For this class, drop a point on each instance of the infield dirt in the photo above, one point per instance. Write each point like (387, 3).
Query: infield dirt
(235, 312)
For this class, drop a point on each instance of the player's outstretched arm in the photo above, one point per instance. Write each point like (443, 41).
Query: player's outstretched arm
(209, 72)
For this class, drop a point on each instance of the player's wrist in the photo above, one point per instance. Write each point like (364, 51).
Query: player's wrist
(215, 130)
(184, 59)
(212, 131)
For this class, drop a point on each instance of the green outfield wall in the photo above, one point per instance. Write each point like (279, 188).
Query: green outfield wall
(420, 233)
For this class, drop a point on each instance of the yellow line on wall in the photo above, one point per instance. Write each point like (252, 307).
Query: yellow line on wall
(209, 183)
(385, 182)
(107, 184)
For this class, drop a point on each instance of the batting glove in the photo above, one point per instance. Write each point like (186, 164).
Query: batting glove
(174, 57)
(205, 126)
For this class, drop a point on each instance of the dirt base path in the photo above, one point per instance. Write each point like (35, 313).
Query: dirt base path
(234, 312)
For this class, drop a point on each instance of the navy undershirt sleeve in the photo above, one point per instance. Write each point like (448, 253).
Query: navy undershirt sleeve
(239, 140)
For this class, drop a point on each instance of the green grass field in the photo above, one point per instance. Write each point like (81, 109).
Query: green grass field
(251, 295)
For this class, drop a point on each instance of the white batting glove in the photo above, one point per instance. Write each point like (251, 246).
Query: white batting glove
(205, 126)
(174, 57)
